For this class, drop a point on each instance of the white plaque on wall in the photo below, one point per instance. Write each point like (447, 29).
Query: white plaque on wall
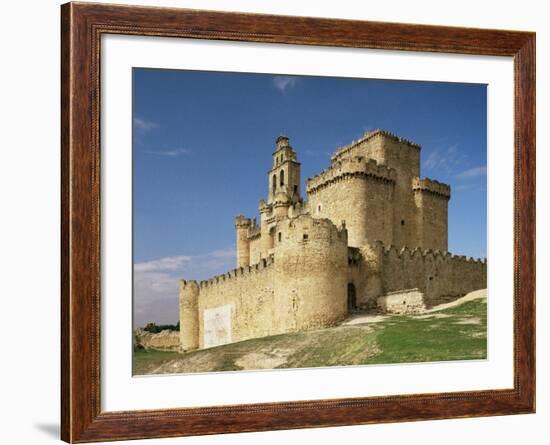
(217, 326)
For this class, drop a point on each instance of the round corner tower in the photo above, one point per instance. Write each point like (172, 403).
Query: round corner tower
(311, 261)
(189, 315)
(242, 226)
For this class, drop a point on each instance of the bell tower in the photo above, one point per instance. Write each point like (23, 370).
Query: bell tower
(284, 175)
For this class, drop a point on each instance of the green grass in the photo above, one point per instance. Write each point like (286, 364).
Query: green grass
(457, 333)
(146, 360)
(411, 339)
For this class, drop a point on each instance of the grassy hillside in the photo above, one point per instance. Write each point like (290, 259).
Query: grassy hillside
(456, 333)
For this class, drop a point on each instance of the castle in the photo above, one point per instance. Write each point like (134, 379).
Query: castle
(371, 233)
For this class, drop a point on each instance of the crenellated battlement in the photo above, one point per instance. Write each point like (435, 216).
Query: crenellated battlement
(339, 152)
(281, 200)
(254, 232)
(242, 221)
(406, 252)
(431, 186)
(264, 207)
(347, 168)
(316, 228)
(262, 265)
(438, 274)
(188, 283)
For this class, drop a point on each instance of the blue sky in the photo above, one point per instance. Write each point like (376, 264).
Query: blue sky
(203, 144)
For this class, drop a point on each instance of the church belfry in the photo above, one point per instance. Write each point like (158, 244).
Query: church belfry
(284, 175)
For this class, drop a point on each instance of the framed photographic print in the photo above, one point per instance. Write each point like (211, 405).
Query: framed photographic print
(274, 222)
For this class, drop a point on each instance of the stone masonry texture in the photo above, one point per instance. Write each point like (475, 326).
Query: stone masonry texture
(370, 233)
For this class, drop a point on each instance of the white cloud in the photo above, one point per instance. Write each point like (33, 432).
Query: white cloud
(144, 125)
(156, 282)
(171, 153)
(167, 263)
(433, 160)
(283, 83)
(474, 172)
(444, 159)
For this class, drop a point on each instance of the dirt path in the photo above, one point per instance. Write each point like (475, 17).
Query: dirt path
(482, 293)
(377, 318)
(363, 318)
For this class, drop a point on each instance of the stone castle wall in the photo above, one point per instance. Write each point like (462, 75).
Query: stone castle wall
(439, 275)
(407, 301)
(189, 315)
(404, 157)
(373, 184)
(311, 263)
(356, 191)
(299, 267)
(386, 149)
(244, 303)
(255, 250)
(302, 286)
(242, 227)
(431, 199)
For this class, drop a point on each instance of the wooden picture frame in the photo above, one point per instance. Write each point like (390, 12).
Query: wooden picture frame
(82, 26)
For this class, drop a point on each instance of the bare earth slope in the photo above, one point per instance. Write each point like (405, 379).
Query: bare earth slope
(453, 331)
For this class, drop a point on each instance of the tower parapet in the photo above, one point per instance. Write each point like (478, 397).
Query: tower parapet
(357, 191)
(281, 142)
(280, 204)
(431, 186)
(356, 166)
(242, 226)
(347, 149)
(431, 200)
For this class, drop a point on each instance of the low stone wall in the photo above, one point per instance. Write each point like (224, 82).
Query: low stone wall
(410, 301)
(166, 340)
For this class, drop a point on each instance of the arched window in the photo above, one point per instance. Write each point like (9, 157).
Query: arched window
(282, 177)
(274, 182)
